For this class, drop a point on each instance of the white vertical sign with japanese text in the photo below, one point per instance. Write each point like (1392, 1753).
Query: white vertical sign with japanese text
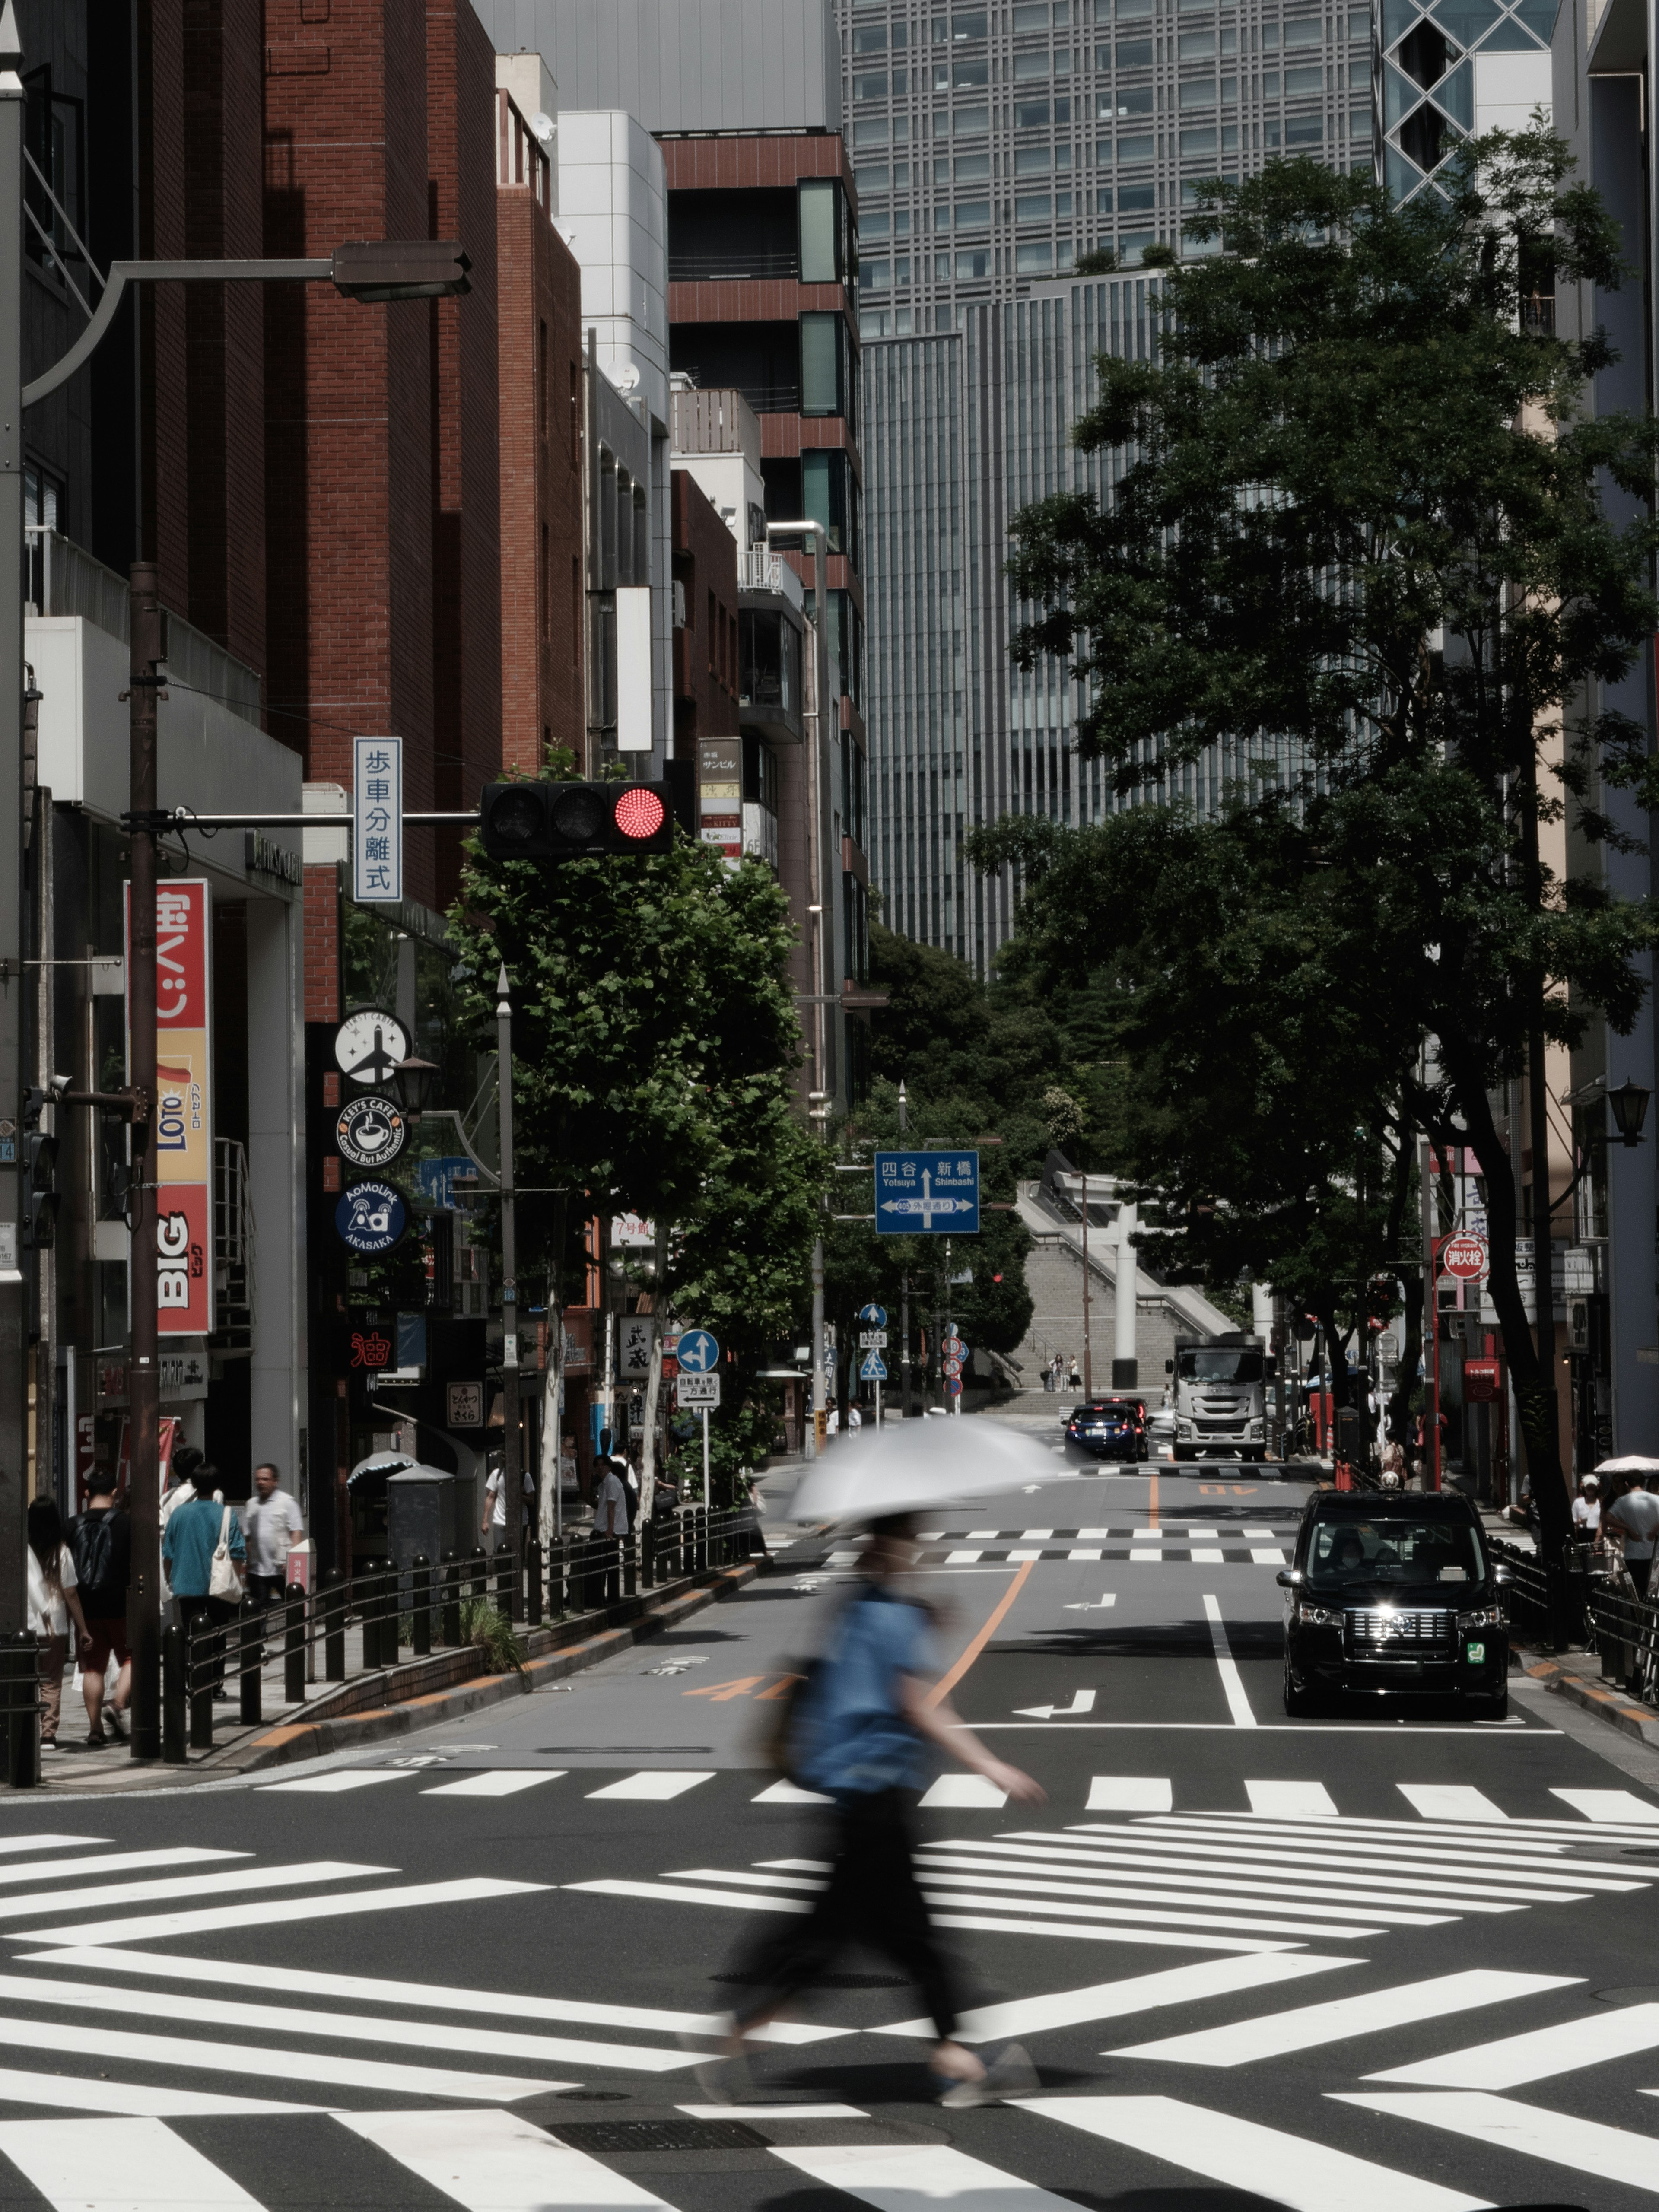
(377, 819)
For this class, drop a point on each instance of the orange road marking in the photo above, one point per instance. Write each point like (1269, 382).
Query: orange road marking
(722, 1693)
(942, 1690)
(1151, 1503)
(779, 1687)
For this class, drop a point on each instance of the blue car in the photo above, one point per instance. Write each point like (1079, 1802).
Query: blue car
(1109, 1428)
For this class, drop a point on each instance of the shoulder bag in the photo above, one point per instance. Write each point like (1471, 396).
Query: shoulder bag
(224, 1577)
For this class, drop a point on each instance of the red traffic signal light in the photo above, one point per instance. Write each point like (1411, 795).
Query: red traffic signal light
(545, 820)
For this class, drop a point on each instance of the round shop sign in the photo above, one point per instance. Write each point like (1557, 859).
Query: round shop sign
(1464, 1258)
(368, 1046)
(371, 1132)
(371, 1217)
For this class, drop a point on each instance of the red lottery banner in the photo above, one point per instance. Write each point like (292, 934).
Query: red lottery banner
(183, 1106)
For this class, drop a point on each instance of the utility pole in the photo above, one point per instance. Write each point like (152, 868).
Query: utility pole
(905, 1297)
(1125, 1369)
(512, 1456)
(143, 1372)
(1088, 1348)
(14, 1314)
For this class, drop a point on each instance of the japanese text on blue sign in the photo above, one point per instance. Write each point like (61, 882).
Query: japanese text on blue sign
(927, 1194)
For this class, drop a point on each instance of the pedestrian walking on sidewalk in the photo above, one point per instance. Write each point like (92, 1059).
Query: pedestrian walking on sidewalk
(1634, 1518)
(272, 1524)
(1587, 1510)
(196, 1535)
(101, 1541)
(493, 1527)
(53, 1602)
(864, 1729)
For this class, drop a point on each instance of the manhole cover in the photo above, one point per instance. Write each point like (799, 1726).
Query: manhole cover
(622, 2137)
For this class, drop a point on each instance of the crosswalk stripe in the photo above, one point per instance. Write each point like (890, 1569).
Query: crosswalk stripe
(1307, 2027)
(1450, 1800)
(335, 1783)
(1413, 1845)
(1084, 1553)
(1232, 1681)
(338, 2070)
(500, 1782)
(431, 1997)
(1560, 2138)
(938, 1890)
(1308, 1801)
(963, 1791)
(191, 1884)
(117, 1862)
(1557, 1838)
(800, 1881)
(119, 2166)
(790, 1793)
(1207, 1557)
(270, 1912)
(1067, 1881)
(348, 2027)
(76, 2093)
(961, 1558)
(497, 2162)
(1605, 1806)
(918, 2178)
(773, 2111)
(1267, 1555)
(679, 1893)
(1025, 1552)
(1310, 2177)
(47, 1840)
(1250, 1842)
(1130, 1793)
(1612, 2032)
(1166, 1939)
(1214, 1978)
(655, 1785)
(1440, 1882)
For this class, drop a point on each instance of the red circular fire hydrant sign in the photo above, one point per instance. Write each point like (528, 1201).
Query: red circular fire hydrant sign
(1464, 1258)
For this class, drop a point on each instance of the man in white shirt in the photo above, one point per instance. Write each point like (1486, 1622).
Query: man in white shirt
(611, 1505)
(272, 1524)
(493, 1527)
(1587, 1509)
(1635, 1517)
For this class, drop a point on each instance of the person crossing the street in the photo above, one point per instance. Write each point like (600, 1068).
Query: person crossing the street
(101, 1541)
(863, 1730)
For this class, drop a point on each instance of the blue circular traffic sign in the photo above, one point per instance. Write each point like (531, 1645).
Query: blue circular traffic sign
(698, 1352)
(873, 1317)
(371, 1217)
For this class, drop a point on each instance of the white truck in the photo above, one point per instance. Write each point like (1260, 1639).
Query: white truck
(1220, 1396)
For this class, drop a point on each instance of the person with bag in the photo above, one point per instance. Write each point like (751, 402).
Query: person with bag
(101, 1540)
(53, 1602)
(203, 1551)
(863, 1730)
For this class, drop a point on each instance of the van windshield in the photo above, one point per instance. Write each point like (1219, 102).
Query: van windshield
(1385, 1550)
(1218, 1362)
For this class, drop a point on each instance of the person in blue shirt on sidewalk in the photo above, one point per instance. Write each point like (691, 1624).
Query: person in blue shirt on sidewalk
(192, 1535)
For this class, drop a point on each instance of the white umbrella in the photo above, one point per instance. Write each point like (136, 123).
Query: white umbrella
(1632, 1463)
(913, 1464)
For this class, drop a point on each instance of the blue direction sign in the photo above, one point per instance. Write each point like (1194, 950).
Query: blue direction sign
(873, 1317)
(698, 1352)
(370, 1216)
(927, 1194)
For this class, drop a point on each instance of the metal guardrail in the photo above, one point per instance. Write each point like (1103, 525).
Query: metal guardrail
(425, 1608)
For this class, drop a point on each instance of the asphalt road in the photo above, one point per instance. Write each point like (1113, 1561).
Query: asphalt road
(1369, 1962)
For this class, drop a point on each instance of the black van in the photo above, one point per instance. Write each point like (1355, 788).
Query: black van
(1394, 1594)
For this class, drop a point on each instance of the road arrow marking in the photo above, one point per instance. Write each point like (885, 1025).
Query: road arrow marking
(1082, 1701)
(1107, 1598)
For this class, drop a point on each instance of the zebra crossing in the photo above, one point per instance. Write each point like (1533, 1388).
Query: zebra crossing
(1188, 1545)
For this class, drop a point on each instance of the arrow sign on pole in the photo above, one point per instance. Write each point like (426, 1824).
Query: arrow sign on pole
(1082, 1701)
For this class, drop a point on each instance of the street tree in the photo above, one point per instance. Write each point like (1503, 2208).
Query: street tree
(1360, 541)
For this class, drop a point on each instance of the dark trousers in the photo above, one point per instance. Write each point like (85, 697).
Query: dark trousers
(1640, 1572)
(270, 1589)
(872, 1897)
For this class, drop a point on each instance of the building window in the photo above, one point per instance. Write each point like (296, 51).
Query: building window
(1302, 81)
(973, 215)
(822, 224)
(541, 377)
(544, 586)
(974, 264)
(870, 87)
(1031, 114)
(821, 364)
(1034, 259)
(1030, 66)
(1036, 207)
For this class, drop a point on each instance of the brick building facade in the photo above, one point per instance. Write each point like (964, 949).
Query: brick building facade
(705, 618)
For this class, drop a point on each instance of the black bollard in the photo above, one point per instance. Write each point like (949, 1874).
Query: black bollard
(533, 1560)
(449, 1600)
(334, 1594)
(250, 1652)
(19, 1674)
(631, 1564)
(294, 1647)
(200, 1655)
(480, 1573)
(174, 1703)
(557, 1562)
(421, 1602)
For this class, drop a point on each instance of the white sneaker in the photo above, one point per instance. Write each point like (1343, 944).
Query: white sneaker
(1012, 2075)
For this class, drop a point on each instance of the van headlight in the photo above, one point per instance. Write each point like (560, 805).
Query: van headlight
(1183, 1428)
(1491, 1616)
(1318, 1616)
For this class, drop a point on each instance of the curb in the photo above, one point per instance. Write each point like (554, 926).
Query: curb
(1593, 1697)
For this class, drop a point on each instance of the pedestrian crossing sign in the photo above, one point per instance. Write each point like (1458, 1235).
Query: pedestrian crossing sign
(874, 1369)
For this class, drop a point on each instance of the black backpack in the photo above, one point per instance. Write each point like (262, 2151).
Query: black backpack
(102, 1560)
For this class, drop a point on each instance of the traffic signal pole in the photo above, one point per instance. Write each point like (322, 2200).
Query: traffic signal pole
(143, 1373)
(512, 1453)
(14, 1314)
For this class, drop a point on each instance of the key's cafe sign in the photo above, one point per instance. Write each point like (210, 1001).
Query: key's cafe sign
(184, 1105)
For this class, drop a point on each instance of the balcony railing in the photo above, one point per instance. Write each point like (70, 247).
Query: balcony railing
(761, 571)
(730, 265)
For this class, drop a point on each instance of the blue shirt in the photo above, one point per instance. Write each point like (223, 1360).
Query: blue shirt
(854, 1737)
(189, 1541)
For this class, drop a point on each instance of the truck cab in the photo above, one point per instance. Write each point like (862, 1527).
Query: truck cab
(1219, 1390)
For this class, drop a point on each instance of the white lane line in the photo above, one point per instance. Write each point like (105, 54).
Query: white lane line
(949, 1889)
(343, 1779)
(278, 1910)
(1306, 2027)
(191, 1884)
(1150, 1891)
(341, 2070)
(1238, 1704)
(1612, 2031)
(961, 1558)
(1084, 1553)
(1308, 1801)
(790, 1793)
(1560, 2138)
(500, 1782)
(1205, 1557)
(655, 1785)
(678, 1894)
(1216, 1978)
(1606, 1805)
(118, 1863)
(1267, 1555)
(119, 2166)
(497, 2162)
(1241, 2154)
(963, 1791)
(1165, 1938)
(778, 2111)
(917, 2177)
(76, 2092)
(349, 2027)
(431, 1997)
(1450, 1800)
(1130, 1793)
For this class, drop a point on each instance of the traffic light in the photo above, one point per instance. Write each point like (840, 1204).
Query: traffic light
(543, 821)
(371, 269)
(41, 1200)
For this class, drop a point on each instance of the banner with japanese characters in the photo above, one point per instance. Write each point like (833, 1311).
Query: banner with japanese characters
(377, 819)
(183, 1112)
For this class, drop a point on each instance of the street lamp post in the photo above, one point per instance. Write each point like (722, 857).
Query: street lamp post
(512, 1461)
(14, 1296)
